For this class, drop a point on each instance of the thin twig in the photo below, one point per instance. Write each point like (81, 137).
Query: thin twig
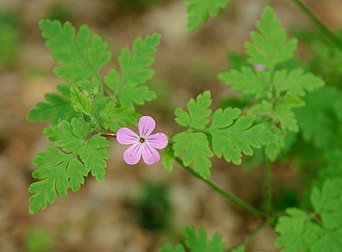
(227, 195)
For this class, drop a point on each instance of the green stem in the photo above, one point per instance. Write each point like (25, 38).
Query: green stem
(267, 185)
(254, 233)
(228, 196)
(319, 24)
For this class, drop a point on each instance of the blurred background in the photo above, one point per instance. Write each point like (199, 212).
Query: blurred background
(137, 208)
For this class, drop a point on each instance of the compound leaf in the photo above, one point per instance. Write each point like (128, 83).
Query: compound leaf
(327, 202)
(248, 82)
(300, 231)
(94, 155)
(296, 231)
(57, 171)
(69, 135)
(80, 55)
(333, 168)
(276, 144)
(277, 92)
(136, 70)
(317, 119)
(56, 107)
(64, 168)
(269, 47)
(115, 118)
(198, 112)
(72, 137)
(81, 101)
(233, 134)
(194, 147)
(296, 82)
(197, 241)
(200, 10)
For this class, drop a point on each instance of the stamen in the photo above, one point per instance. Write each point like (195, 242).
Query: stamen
(142, 140)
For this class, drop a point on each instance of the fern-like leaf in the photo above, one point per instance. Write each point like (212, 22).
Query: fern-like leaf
(136, 70)
(200, 10)
(80, 55)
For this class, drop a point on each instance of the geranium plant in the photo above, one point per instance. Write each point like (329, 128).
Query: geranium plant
(278, 111)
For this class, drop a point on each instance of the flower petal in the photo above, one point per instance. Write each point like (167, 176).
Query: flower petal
(146, 126)
(150, 155)
(133, 154)
(158, 140)
(126, 136)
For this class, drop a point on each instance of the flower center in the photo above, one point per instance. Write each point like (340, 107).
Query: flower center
(142, 140)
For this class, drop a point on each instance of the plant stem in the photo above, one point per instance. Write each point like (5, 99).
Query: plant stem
(254, 232)
(227, 195)
(267, 185)
(319, 24)
(106, 134)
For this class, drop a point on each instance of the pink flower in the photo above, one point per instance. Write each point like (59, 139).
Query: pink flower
(144, 144)
(259, 67)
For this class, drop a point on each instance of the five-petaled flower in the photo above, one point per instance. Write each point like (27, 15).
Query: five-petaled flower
(144, 144)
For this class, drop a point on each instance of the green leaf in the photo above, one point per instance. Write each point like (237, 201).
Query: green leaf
(281, 114)
(60, 169)
(296, 82)
(94, 155)
(57, 107)
(277, 92)
(115, 118)
(123, 117)
(69, 135)
(233, 134)
(327, 202)
(72, 137)
(57, 171)
(194, 147)
(200, 10)
(197, 241)
(129, 87)
(300, 231)
(334, 165)
(286, 117)
(318, 119)
(112, 80)
(198, 112)
(80, 55)
(168, 160)
(326, 60)
(169, 248)
(248, 82)
(276, 144)
(81, 101)
(296, 231)
(269, 47)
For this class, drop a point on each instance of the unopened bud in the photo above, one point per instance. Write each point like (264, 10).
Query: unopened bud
(96, 91)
